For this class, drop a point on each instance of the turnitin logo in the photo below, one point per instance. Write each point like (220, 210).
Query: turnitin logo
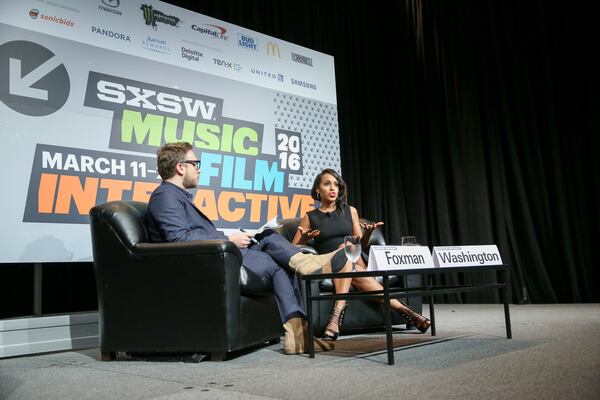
(152, 16)
(110, 6)
(216, 31)
(247, 42)
(33, 81)
(273, 49)
(111, 34)
(302, 59)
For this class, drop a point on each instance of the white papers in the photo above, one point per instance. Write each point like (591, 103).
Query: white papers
(270, 224)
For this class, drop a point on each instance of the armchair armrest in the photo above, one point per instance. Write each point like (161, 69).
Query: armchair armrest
(196, 247)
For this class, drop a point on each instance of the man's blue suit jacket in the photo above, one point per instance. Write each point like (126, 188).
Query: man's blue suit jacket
(173, 217)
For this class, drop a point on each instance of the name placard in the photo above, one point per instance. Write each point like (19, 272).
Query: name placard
(465, 256)
(399, 257)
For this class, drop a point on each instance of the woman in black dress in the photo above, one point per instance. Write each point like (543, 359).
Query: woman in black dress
(328, 225)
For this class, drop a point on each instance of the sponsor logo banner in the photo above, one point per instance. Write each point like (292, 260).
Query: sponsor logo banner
(302, 59)
(110, 6)
(111, 34)
(214, 31)
(153, 17)
(273, 49)
(247, 42)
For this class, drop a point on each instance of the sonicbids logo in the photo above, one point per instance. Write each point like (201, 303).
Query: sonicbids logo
(35, 14)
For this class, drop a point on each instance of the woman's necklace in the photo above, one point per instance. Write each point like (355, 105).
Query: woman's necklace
(328, 209)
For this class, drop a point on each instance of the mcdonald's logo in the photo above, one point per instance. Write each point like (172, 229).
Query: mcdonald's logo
(273, 49)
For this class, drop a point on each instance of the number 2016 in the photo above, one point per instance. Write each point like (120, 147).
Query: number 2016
(291, 144)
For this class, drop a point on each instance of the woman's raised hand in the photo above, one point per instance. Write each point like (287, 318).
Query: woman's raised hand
(371, 227)
(308, 234)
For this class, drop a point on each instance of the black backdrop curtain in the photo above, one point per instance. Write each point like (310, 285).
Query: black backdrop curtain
(463, 122)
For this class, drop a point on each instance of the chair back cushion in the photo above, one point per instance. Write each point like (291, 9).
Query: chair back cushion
(125, 219)
(288, 228)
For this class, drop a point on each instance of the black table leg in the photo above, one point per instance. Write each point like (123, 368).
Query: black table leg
(388, 320)
(431, 308)
(309, 339)
(506, 298)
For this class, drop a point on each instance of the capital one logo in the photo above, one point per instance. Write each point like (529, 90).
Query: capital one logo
(33, 81)
(273, 49)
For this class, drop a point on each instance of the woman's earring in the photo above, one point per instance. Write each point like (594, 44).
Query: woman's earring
(318, 196)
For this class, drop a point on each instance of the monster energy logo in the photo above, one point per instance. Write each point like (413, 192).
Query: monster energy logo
(152, 16)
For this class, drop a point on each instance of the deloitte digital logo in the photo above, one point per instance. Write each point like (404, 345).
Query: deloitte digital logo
(32, 79)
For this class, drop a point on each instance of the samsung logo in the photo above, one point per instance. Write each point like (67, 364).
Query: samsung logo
(304, 84)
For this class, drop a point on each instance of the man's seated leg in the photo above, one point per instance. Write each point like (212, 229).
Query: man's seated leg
(287, 255)
(288, 299)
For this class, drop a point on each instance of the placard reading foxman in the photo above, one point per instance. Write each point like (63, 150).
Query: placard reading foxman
(399, 257)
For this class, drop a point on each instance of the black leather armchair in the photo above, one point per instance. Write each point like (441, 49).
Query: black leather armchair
(360, 315)
(187, 297)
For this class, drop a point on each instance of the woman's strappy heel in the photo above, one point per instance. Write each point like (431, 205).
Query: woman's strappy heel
(336, 317)
(420, 322)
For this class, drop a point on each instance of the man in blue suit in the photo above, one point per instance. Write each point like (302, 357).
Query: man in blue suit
(173, 217)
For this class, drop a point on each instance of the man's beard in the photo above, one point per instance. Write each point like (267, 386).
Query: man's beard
(189, 183)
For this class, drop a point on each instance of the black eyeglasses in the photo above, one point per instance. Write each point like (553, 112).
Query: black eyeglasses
(195, 163)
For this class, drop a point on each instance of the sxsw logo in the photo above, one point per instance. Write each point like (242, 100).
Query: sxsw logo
(152, 16)
(247, 42)
(302, 59)
(216, 31)
(273, 49)
(33, 81)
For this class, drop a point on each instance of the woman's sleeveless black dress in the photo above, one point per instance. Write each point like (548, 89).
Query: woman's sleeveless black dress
(334, 226)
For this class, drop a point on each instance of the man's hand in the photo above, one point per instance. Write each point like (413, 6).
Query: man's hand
(241, 239)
